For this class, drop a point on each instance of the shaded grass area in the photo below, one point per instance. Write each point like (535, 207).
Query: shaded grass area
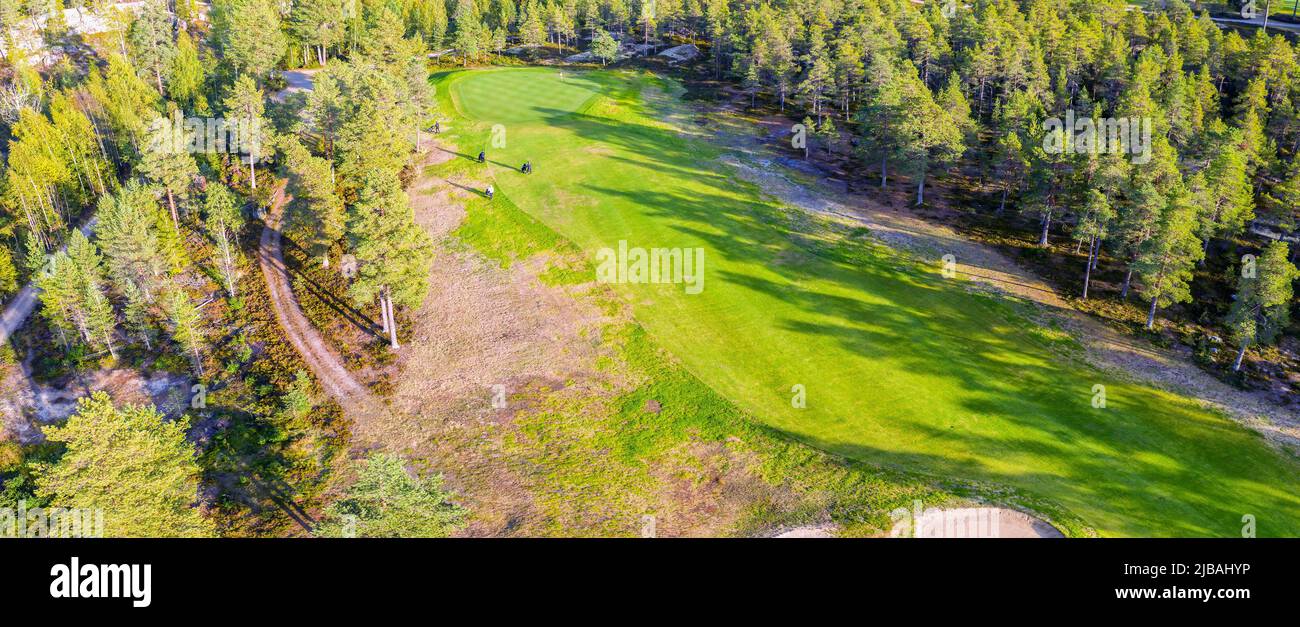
(904, 369)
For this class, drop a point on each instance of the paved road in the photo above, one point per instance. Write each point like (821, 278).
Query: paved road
(1273, 24)
(295, 81)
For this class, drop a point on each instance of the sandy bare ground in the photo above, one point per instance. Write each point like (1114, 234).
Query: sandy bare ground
(961, 522)
(26, 405)
(810, 531)
(487, 343)
(1106, 348)
(982, 522)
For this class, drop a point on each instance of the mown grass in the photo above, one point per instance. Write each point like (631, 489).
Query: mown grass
(638, 450)
(904, 369)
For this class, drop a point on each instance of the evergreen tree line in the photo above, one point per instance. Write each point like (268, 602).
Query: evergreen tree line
(90, 148)
(921, 88)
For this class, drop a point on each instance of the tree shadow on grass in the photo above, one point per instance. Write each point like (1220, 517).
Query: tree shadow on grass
(1149, 463)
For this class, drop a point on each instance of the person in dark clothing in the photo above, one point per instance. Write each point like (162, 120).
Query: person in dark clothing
(482, 156)
(437, 128)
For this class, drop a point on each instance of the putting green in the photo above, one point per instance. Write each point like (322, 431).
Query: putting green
(901, 367)
(524, 95)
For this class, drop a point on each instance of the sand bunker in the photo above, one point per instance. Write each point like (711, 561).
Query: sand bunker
(976, 522)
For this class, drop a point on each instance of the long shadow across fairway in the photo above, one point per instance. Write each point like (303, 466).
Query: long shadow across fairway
(1151, 463)
(1115, 459)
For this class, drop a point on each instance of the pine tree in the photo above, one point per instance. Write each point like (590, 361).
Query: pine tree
(1262, 307)
(881, 116)
(829, 135)
(818, 77)
(101, 320)
(223, 221)
(604, 47)
(186, 75)
(166, 163)
(1012, 166)
(1138, 219)
(128, 236)
(317, 24)
(1092, 228)
(36, 260)
(467, 36)
(150, 39)
(137, 315)
(1284, 200)
(8, 274)
(849, 71)
(392, 252)
(532, 28)
(72, 295)
(647, 19)
(130, 462)
(930, 135)
(1227, 201)
(326, 110)
(61, 300)
(98, 322)
(717, 15)
(502, 14)
(386, 502)
(171, 243)
(1166, 259)
(778, 61)
(249, 36)
(186, 324)
(245, 106)
(370, 142)
(1251, 113)
(315, 215)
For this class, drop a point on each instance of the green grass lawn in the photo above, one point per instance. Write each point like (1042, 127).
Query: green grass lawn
(902, 368)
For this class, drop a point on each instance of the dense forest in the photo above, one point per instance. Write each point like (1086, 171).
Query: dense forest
(1157, 143)
(923, 88)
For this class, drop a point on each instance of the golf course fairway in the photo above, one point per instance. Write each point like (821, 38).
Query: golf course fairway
(901, 367)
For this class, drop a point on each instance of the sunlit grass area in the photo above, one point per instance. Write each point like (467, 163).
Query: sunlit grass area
(902, 368)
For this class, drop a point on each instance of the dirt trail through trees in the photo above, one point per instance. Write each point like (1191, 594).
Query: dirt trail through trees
(334, 377)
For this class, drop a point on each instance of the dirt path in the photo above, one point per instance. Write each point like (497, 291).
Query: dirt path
(1106, 348)
(327, 366)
